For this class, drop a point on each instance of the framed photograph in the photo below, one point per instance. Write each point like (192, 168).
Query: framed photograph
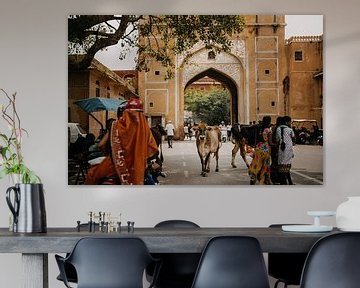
(195, 100)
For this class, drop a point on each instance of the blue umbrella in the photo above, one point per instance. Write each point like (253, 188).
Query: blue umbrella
(97, 104)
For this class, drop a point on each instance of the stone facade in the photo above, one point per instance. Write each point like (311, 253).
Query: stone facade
(265, 74)
(305, 78)
(259, 71)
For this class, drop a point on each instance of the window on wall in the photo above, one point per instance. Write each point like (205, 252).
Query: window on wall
(298, 56)
(97, 89)
(211, 55)
(157, 72)
(267, 71)
(108, 92)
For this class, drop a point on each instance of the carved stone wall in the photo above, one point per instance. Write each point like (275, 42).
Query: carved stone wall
(230, 65)
(197, 60)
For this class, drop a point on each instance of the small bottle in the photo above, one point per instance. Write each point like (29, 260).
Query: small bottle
(90, 223)
(78, 225)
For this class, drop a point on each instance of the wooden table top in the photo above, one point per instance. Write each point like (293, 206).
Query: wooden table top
(158, 240)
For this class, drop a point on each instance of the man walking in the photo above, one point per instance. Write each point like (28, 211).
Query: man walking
(170, 130)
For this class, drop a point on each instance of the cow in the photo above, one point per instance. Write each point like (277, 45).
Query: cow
(242, 136)
(208, 139)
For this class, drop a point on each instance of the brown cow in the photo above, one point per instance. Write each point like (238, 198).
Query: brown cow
(207, 143)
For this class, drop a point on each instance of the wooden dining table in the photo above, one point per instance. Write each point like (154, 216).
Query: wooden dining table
(35, 247)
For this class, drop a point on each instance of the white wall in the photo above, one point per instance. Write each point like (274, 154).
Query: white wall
(33, 62)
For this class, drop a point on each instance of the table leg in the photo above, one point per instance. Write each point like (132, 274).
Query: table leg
(35, 270)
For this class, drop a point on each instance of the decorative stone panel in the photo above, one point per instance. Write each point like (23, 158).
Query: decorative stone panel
(199, 62)
(266, 44)
(267, 101)
(156, 101)
(267, 70)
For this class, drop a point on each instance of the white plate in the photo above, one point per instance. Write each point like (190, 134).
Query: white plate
(306, 228)
(321, 213)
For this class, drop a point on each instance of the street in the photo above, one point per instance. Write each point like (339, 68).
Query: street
(183, 167)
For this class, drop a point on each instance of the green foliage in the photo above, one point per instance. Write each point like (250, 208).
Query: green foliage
(167, 34)
(11, 159)
(211, 106)
(26, 175)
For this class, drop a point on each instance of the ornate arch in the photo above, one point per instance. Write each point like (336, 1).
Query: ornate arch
(199, 61)
(226, 67)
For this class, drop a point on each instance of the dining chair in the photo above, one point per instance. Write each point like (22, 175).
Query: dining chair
(177, 269)
(108, 263)
(333, 262)
(69, 269)
(285, 267)
(232, 262)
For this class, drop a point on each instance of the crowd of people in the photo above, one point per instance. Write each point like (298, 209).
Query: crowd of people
(273, 152)
(131, 154)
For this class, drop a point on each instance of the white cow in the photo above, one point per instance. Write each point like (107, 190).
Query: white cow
(208, 139)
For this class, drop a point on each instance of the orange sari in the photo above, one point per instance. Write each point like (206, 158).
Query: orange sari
(137, 143)
(98, 172)
(133, 142)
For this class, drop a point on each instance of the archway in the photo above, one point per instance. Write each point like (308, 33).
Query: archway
(227, 82)
(227, 68)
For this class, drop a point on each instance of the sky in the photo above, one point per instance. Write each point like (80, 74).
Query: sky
(297, 25)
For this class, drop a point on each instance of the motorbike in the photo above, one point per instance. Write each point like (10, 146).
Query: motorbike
(319, 138)
(304, 137)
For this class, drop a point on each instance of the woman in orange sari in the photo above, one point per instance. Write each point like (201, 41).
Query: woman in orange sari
(132, 144)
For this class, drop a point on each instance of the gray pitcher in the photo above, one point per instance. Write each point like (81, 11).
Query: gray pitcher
(28, 207)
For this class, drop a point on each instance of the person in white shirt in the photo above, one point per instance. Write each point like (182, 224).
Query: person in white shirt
(285, 137)
(228, 128)
(223, 130)
(170, 130)
(186, 132)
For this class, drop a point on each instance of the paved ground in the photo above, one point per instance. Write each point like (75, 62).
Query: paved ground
(182, 166)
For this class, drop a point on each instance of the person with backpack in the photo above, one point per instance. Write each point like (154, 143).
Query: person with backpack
(285, 137)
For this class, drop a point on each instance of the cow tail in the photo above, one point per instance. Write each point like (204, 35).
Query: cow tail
(220, 142)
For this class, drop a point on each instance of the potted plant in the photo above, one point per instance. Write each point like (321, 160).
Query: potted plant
(11, 159)
(25, 197)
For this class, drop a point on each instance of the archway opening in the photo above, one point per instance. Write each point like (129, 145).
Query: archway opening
(212, 86)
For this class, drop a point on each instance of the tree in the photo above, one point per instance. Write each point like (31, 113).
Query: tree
(88, 34)
(211, 107)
